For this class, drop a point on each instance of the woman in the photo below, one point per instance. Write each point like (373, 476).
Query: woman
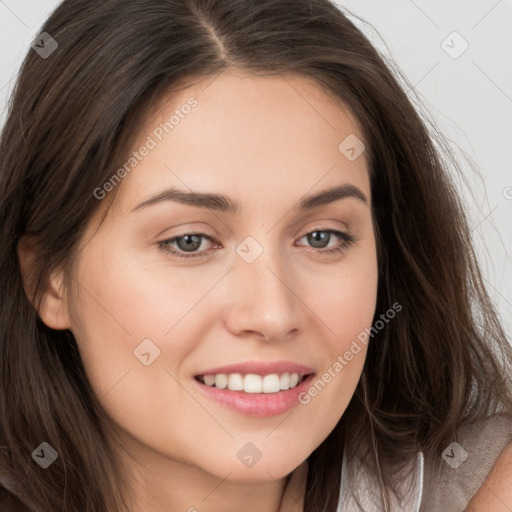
(236, 275)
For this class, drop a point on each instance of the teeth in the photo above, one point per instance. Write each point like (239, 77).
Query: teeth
(209, 380)
(285, 381)
(236, 382)
(221, 380)
(271, 383)
(252, 383)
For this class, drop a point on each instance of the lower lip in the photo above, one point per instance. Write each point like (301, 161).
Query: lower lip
(257, 404)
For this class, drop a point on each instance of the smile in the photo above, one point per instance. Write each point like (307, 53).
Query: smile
(252, 383)
(255, 395)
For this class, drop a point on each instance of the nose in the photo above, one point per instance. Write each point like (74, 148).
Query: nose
(264, 298)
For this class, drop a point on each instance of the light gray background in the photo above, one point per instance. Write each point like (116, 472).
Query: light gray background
(469, 97)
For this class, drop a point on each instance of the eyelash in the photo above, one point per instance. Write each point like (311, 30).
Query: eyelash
(347, 241)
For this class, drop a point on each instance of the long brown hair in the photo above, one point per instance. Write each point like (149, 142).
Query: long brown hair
(72, 118)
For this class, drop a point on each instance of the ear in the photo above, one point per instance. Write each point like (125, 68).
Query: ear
(53, 308)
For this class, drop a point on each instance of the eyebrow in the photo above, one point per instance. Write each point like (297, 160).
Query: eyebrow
(223, 203)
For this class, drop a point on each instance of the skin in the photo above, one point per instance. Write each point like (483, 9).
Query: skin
(496, 492)
(264, 141)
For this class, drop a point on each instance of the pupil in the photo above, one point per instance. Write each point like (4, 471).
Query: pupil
(192, 242)
(318, 236)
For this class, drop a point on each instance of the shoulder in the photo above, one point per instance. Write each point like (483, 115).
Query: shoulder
(480, 455)
(496, 491)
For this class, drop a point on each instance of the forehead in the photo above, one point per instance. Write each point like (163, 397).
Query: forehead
(262, 138)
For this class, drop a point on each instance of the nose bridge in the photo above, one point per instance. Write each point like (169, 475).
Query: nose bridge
(264, 299)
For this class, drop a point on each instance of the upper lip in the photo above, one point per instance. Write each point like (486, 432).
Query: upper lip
(260, 368)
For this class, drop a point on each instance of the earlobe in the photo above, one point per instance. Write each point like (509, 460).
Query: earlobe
(53, 307)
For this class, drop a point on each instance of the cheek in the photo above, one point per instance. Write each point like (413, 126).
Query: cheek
(122, 316)
(112, 316)
(125, 296)
(345, 300)
(134, 323)
(346, 304)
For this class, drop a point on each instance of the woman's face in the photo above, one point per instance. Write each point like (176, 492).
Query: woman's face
(261, 283)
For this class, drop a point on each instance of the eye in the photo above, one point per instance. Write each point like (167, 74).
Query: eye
(187, 245)
(321, 237)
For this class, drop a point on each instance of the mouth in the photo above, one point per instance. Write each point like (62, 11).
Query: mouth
(251, 383)
(254, 395)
